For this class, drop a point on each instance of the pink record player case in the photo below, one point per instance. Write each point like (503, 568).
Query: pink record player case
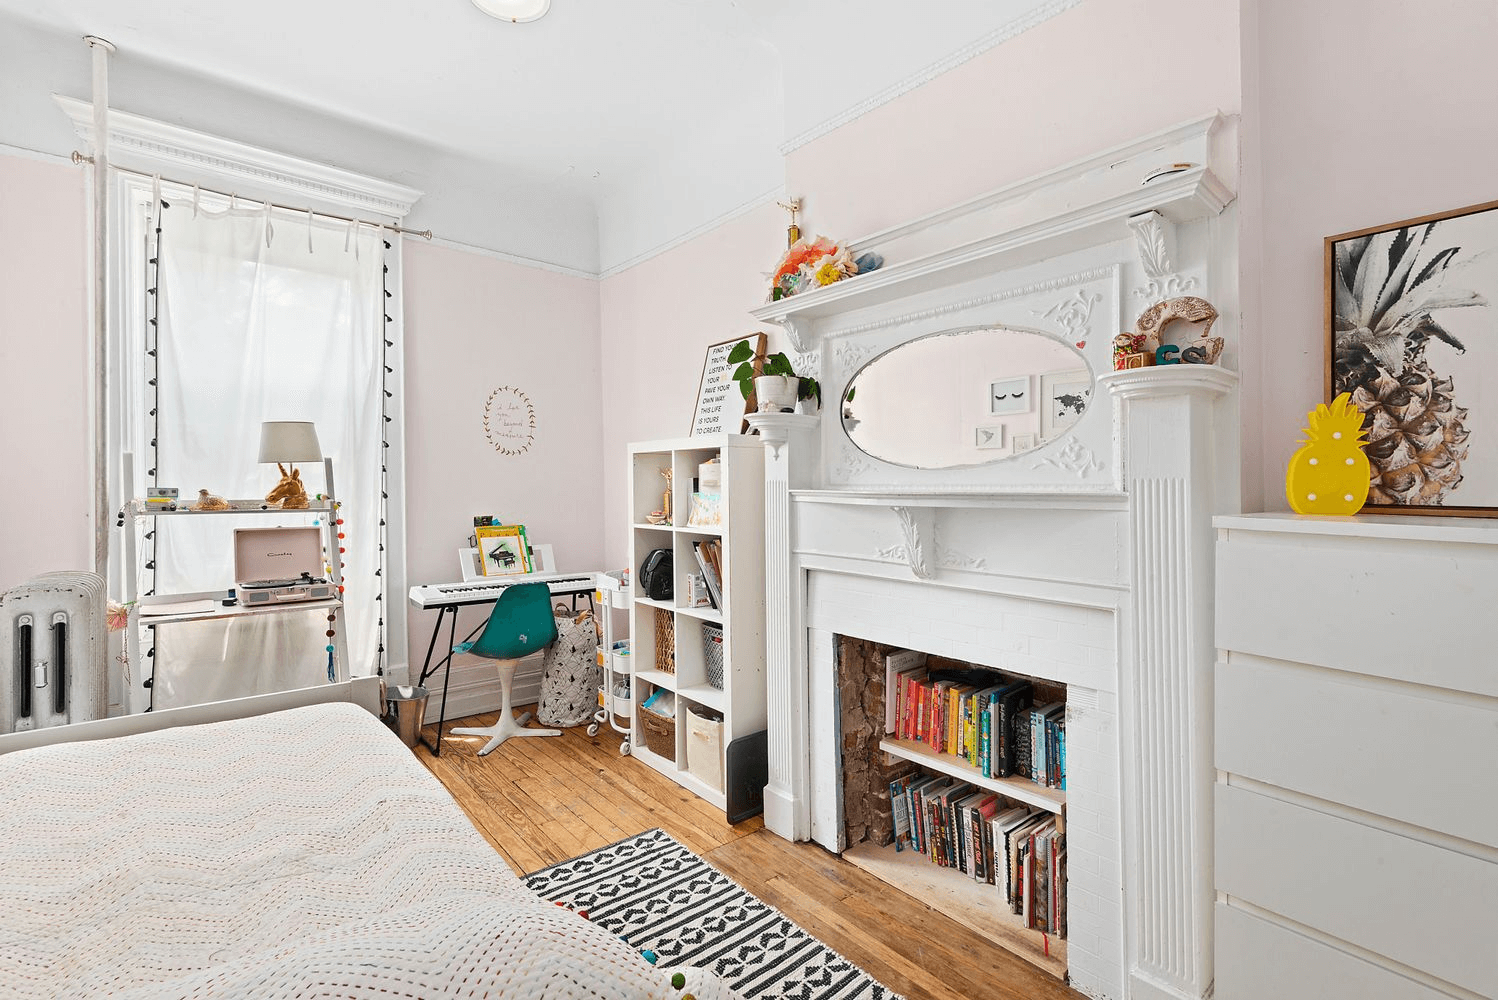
(282, 554)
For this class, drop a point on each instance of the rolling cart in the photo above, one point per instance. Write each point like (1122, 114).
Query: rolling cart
(612, 591)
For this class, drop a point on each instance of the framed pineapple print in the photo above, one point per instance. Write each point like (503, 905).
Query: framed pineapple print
(1412, 336)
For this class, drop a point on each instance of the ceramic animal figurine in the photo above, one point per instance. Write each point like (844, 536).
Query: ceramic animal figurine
(1330, 473)
(289, 493)
(207, 501)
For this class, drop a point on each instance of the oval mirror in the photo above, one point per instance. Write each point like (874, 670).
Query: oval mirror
(966, 397)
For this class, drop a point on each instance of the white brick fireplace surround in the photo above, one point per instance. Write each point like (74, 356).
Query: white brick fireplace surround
(1087, 562)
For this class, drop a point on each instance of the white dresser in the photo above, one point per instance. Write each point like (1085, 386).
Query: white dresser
(1356, 696)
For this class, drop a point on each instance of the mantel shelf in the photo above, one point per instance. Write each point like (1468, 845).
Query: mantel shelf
(1110, 500)
(1093, 201)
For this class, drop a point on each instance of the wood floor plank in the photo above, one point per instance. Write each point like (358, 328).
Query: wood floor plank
(541, 801)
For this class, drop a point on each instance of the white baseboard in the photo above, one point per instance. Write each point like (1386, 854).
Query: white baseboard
(474, 689)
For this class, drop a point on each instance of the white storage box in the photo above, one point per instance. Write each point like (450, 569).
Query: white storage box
(705, 745)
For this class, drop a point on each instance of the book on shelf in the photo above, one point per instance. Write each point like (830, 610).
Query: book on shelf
(996, 729)
(710, 558)
(1018, 850)
(504, 549)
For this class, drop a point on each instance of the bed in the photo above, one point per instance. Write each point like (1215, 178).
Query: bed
(304, 853)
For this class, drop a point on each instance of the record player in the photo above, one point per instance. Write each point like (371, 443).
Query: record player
(280, 566)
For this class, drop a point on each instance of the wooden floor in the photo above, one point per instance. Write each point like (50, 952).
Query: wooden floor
(540, 801)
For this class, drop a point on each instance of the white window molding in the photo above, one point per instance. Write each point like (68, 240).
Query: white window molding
(184, 157)
(141, 143)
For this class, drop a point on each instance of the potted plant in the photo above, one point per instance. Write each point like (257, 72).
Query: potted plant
(776, 385)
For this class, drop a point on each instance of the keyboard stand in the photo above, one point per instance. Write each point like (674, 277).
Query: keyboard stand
(446, 663)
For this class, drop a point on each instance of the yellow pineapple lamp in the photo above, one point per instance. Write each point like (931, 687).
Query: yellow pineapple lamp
(1329, 474)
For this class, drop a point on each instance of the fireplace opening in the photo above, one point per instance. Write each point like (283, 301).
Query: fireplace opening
(953, 790)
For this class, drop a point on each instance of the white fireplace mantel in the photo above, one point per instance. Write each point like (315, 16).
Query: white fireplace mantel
(1087, 563)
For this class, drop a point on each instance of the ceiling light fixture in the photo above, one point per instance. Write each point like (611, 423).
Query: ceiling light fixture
(514, 11)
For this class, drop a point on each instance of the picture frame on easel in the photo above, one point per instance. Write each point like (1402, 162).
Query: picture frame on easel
(718, 395)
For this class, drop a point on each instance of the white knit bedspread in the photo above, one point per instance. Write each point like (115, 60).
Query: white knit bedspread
(301, 854)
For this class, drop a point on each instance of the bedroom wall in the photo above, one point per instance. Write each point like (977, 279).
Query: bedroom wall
(1331, 148)
(1034, 102)
(474, 323)
(44, 371)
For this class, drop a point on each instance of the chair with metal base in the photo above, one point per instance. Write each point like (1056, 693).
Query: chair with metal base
(520, 624)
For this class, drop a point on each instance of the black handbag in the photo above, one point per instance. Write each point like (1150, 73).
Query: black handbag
(657, 578)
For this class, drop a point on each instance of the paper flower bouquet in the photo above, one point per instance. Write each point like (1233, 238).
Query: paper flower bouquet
(816, 263)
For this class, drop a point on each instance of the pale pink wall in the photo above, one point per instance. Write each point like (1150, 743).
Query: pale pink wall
(474, 323)
(657, 319)
(44, 374)
(1100, 74)
(1359, 112)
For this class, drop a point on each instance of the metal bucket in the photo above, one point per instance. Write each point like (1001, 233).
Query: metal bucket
(405, 710)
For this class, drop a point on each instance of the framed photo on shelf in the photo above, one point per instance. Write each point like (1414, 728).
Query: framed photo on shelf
(718, 409)
(1064, 397)
(1010, 395)
(1411, 310)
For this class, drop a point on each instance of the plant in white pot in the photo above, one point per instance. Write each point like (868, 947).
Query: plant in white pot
(776, 385)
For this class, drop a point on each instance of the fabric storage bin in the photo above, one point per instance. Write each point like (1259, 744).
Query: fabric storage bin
(705, 745)
(665, 641)
(712, 653)
(660, 734)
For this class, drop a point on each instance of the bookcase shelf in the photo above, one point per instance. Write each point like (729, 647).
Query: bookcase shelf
(973, 904)
(1020, 789)
(741, 699)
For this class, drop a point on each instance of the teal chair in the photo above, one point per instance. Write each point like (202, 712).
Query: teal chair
(520, 624)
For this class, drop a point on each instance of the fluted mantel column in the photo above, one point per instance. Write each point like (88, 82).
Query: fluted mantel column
(1166, 679)
(790, 463)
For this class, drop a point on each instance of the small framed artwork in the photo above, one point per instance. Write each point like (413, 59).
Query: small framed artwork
(1410, 313)
(1010, 395)
(989, 436)
(1022, 443)
(718, 408)
(1064, 398)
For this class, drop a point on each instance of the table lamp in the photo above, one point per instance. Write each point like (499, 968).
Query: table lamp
(288, 441)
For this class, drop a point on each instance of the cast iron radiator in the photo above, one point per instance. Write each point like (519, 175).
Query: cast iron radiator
(53, 652)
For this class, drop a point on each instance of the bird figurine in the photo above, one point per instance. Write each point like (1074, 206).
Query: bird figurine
(1330, 474)
(207, 501)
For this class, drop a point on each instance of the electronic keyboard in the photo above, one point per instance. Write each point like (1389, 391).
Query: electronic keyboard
(487, 590)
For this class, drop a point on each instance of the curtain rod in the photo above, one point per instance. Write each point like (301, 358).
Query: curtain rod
(426, 234)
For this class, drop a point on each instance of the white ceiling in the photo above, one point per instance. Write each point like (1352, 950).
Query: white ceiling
(600, 102)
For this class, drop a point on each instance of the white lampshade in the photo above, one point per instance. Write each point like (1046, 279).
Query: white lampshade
(514, 11)
(289, 441)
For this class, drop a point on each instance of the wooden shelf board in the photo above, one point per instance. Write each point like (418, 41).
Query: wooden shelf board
(1019, 789)
(138, 509)
(971, 903)
(712, 531)
(237, 611)
(652, 527)
(659, 678)
(705, 694)
(706, 614)
(652, 603)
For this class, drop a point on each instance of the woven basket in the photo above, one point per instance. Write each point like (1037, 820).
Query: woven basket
(660, 734)
(665, 641)
(712, 654)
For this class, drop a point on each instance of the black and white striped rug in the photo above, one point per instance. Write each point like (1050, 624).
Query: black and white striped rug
(656, 894)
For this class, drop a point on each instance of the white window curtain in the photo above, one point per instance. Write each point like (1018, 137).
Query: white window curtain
(261, 317)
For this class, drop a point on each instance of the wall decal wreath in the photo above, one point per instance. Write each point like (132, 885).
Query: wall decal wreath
(509, 421)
